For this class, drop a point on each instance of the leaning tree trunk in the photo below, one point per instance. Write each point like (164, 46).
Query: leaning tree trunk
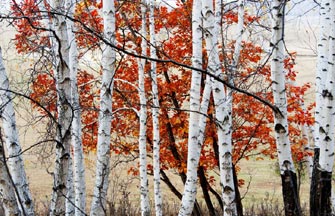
(287, 170)
(12, 174)
(223, 106)
(78, 155)
(155, 115)
(190, 188)
(105, 116)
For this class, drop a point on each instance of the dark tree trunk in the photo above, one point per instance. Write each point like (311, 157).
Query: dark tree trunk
(166, 180)
(205, 186)
(324, 188)
(290, 194)
(217, 196)
(320, 193)
(314, 193)
(238, 200)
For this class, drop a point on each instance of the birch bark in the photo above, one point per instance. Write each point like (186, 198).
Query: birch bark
(155, 114)
(15, 161)
(63, 85)
(320, 83)
(78, 155)
(222, 102)
(145, 205)
(190, 188)
(287, 170)
(10, 203)
(326, 120)
(8, 198)
(98, 206)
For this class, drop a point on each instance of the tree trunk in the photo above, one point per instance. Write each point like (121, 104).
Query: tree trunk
(12, 174)
(8, 198)
(155, 115)
(190, 188)
(64, 109)
(98, 206)
(238, 200)
(223, 105)
(326, 120)
(287, 170)
(145, 205)
(204, 186)
(78, 155)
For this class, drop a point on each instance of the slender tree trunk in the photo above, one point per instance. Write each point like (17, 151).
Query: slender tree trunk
(69, 202)
(13, 168)
(287, 170)
(8, 198)
(63, 137)
(204, 186)
(98, 206)
(239, 206)
(145, 205)
(15, 161)
(190, 188)
(306, 130)
(155, 115)
(321, 74)
(223, 106)
(78, 155)
(236, 58)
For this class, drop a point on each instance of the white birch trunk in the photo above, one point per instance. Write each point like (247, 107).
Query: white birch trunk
(63, 85)
(279, 90)
(155, 115)
(69, 202)
(8, 197)
(15, 161)
(222, 100)
(98, 206)
(327, 126)
(190, 188)
(78, 155)
(309, 159)
(322, 68)
(240, 31)
(10, 203)
(145, 205)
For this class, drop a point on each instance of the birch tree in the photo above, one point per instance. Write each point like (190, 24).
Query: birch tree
(155, 114)
(190, 188)
(286, 164)
(145, 205)
(78, 155)
(325, 92)
(98, 206)
(8, 198)
(63, 136)
(11, 136)
(223, 107)
(12, 174)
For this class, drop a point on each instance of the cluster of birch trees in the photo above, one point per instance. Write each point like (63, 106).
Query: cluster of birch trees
(215, 81)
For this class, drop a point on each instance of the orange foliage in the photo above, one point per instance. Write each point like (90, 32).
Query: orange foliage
(252, 120)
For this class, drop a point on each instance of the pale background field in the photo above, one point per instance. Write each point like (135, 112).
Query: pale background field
(265, 182)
